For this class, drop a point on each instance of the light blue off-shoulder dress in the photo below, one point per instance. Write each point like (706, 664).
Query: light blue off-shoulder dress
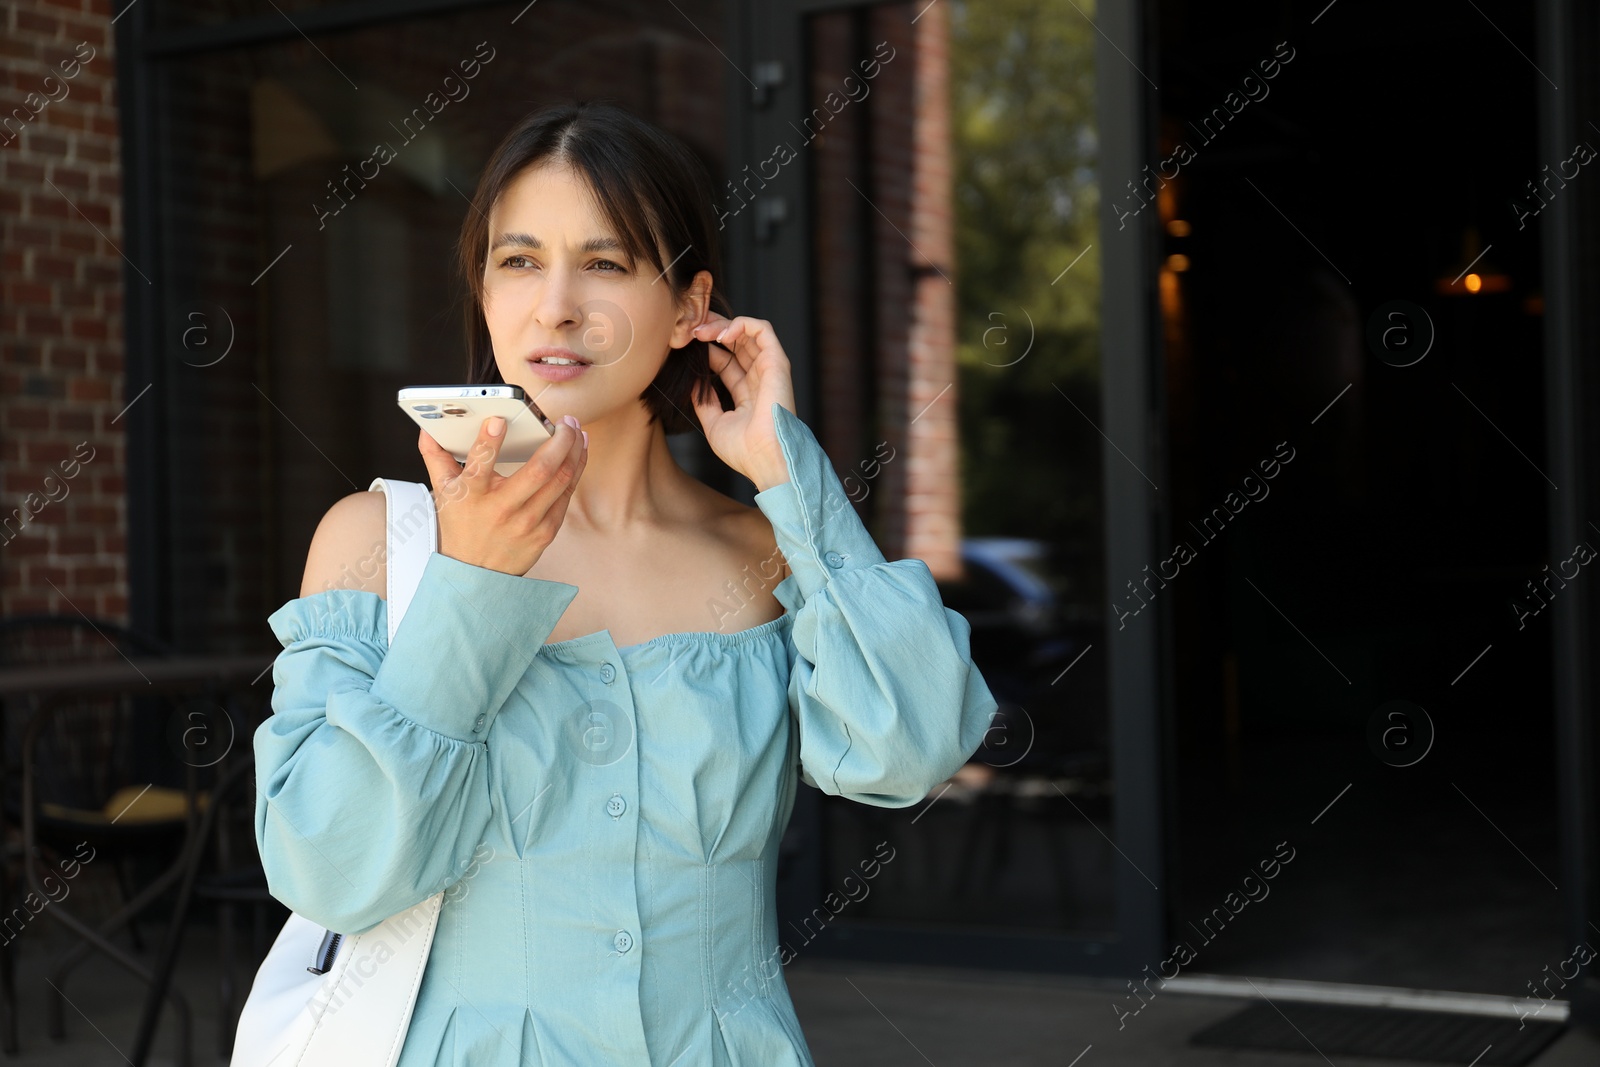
(604, 821)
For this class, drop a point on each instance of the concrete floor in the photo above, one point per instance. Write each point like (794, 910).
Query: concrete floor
(853, 1016)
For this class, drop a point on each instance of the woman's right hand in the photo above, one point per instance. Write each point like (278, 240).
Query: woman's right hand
(503, 522)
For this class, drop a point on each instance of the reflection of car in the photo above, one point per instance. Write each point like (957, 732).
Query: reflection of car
(1024, 636)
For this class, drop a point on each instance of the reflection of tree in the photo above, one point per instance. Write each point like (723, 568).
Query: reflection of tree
(1026, 198)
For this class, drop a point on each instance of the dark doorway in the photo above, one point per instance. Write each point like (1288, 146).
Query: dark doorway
(1363, 521)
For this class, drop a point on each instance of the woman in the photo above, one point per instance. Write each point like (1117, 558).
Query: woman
(579, 735)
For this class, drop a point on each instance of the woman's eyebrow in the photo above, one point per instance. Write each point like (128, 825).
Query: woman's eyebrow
(527, 240)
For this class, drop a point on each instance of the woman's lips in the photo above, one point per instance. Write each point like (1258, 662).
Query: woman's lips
(558, 372)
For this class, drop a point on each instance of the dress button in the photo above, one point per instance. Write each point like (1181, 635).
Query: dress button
(623, 941)
(616, 806)
(607, 672)
(834, 560)
(478, 725)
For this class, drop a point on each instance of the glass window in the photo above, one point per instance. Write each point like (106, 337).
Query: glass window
(311, 193)
(956, 304)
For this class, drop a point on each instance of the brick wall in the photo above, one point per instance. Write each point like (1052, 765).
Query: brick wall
(62, 513)
(885, 276)
(928, 489)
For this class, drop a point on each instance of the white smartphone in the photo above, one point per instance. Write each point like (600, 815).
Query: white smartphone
(453, 415)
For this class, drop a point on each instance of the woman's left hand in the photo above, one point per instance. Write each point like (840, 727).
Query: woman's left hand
(756, 373)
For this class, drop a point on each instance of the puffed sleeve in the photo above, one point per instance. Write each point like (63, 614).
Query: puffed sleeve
(882, 686)
(372, 772)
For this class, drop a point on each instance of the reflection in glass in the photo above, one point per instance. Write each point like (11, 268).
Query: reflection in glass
(311, 192)
(958, 291)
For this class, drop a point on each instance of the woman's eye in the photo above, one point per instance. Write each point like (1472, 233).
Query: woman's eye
(518, 262)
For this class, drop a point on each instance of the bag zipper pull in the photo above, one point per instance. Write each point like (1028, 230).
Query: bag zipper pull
(325, 952)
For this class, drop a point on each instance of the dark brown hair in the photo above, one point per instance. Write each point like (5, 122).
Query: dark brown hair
(652, 188)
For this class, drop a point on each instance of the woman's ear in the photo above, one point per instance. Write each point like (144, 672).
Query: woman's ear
(692, 309)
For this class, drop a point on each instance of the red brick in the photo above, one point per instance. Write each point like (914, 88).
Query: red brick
(94, 32)
(76, 297)
(24, 172)
(68, 358)
(31, 543)
(87, 328)
(33, 235)
(41, 324)
(48, 205)
(17, 48)
(89, 514)
(42, 143)
(46, 574)
(88, 389)
(19, 484)
(48, 453)
(28, 294)
(94, 150)
(57, 267)
(70, 179)
(67, 117)
(93, 210)
(34, 22)
(94, 575)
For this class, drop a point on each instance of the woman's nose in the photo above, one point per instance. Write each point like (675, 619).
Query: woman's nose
(555, 306)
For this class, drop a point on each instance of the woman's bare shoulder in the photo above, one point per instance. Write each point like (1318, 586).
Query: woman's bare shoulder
(347, 551)
(747, 533)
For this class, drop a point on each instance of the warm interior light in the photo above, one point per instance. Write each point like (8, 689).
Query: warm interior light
(1474, 273)
(1177, 262)
(1178, 228)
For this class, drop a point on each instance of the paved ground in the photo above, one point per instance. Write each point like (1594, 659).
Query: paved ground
(853, 1016)
(856, 1016)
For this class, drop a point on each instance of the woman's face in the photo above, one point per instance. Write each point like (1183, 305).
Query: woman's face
(556, 276)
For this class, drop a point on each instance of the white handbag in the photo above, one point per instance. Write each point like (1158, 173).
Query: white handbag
(324, 999)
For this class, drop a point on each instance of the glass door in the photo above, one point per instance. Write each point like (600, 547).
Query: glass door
(933, 176)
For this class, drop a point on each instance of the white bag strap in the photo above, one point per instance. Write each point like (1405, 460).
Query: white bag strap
(311, 1015)
(412, 522)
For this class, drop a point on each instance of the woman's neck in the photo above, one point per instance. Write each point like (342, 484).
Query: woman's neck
(632, 478)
